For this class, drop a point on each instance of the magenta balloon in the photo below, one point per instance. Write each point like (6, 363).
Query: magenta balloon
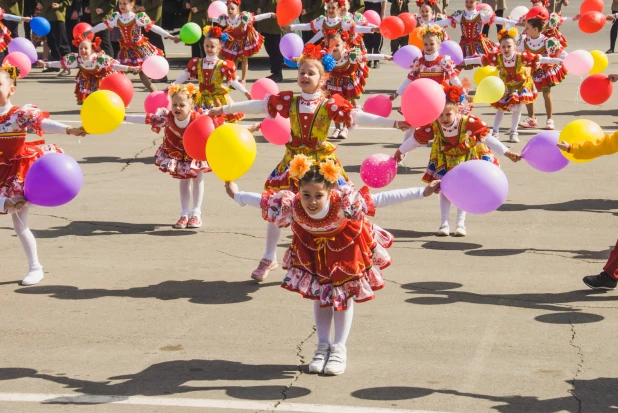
(378, 170)
(263, 87)
(542, 154)
(20, 44)
(53, 180)
(276, 131)
(453, 50)
(379, 105)
(422, 102)
(372, 17)
(476, 186)
(405, 56)
(291, 45)
(156, 100)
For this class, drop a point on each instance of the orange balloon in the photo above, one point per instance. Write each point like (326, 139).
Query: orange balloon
(288, 11)
(414, 38)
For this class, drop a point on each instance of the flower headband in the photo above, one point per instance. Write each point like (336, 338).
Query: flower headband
(341, 2)
(301, 164)
(236, 2)
(544, 3)
(190, 90)
(511, 33)
(420, 3)
(95, 43)
(454, 94)
(312, 51)
(13, 71)
(433, 29)
(214, 32)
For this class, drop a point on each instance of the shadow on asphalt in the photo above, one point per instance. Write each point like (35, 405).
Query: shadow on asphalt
(578, 254)
(596, 395)
(400, 170)
(171, 377)
(147, 160)
(196, 291)
(102, 228)
(577, 205)
(441, 293)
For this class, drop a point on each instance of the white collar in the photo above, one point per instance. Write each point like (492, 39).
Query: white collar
(322, 214)
(309, 97)
(4, 109)
(210, 58)
(431, 57)
(182, 123)
(127, 15)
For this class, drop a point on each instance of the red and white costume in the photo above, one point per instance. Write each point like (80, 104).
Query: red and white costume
(243, 40)
(346, 26)
(5, 33)
(435, 67)
(545, 76)
(349, 76)
(437, 19)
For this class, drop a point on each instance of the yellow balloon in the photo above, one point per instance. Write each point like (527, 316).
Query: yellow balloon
(600, 62)
(578, 131)
(490, 90)
(484, 72)
(230, 151)
(102, 112)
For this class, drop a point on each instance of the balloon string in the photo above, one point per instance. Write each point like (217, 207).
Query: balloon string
(581, 80)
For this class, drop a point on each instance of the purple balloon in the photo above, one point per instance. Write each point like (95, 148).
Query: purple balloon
(405, 56)
(20, 44)
(291, 45)
(453, 50)
(53, 180)
(542, 154)
(476, 186)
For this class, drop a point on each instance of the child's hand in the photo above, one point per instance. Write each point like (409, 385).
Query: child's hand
(613, 77)
(273, 15)
(610, 18)
(215, 112)
(286, 27)
(398, 156)
(303, 12)
(402, 125)
(175, 39)
(231, 189)
(55, 5)
(248, 95)
(76, 131)
(99, 11)
(564, 146)
(41, 63)
(576, 17)
(375, 30)
(432, 188)
(515, 157)
(388, 57)
(134, 69)
(393, 96)
(15, 204)
(86, 33)
(26, 19)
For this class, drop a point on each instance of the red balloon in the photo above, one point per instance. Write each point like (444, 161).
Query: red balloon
(409, 23)
(82, 27)
(596, 89)
(591, 5)
(196, 136)
(119, 84)
(591, 22)
(288, 11)
(538, 12)
(392, 27)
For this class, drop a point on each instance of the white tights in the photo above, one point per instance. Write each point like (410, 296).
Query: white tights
(28, 243)
(273, 233)
(445, 211)
(324, 319)
(198, 194)
(514, 119)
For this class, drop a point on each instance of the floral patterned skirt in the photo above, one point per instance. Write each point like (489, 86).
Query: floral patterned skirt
(211, 100)
(242, 45)
(440, 163)
(476, 47)
(350, 83)
(340, 267)
(5, 37)
(548, 76)
(516, 93)
(135, 54)
(87, 82)
(171, 158)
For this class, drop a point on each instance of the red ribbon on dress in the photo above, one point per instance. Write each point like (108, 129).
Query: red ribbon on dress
(298, 141)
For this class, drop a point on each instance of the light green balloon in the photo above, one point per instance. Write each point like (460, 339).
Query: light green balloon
(190, 33)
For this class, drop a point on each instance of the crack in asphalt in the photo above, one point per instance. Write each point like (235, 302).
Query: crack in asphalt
(236, 256)
(154, 143)
(580, 365)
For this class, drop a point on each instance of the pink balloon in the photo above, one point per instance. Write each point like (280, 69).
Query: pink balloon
(372, 17)
(579, 62)
(378, 170)
(262, 87)
(19, 60)
(379, 105)
(422, 102)
(216, 9)
(155, 67)
(156, 100)
(276, 131)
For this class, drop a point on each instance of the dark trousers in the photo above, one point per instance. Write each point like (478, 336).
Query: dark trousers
(197, 49)
(106, 42)
(499, 13)
(307, 35)
(396, 44)
(271, 43)
(70, 24)
(156, 40)
(12, 26)
(29, 7)
(611, 267)
(613, 33)
(373, 41)
(57, 40)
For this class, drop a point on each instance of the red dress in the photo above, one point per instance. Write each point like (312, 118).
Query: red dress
(243, 41)
(336, 258)
(5, 34)
(134, 47)
(473, 42)
(441, 69)
(545, 76)
(171, 156)
(90, 73)
(17, 155)
(349, 76)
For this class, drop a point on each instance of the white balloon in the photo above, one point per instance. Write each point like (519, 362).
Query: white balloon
(518, 12)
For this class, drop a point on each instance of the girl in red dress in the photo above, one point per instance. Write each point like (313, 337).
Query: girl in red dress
(426, 17)
(134, 47)
(243, 40)
(5, 33)
(337, 255)
(171, 157)
(92, 67)
(17, 157)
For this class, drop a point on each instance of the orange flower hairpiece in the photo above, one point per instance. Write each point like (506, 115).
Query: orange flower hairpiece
(454, 93)
(299, 166)
(190, 90)
(434, 29)
(95, 43)
(511, 33)
(330, 171)
(312, 51)
(11, 70)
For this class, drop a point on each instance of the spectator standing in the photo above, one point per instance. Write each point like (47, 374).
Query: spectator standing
(29, 9)
(271, 31)
(54, 11)
(398, 7)
(440, 7)
(199, 15)
(251, 6)
(100, 11)
(72, 18)
(373, 41)
(499, 6)
(555, 6)
(614, 31)
(312, 9)
(357, 6)
(154, 10)
(11, 7)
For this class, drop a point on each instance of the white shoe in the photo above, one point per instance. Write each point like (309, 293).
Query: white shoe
(495, 134)
(33, 277)
(319, 358)
(514, 137)
(460, 231)
(444, 230)
(550, 124)
(336, 360)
